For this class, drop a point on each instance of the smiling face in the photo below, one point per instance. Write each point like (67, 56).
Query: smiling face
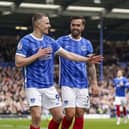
(76, 28)
(43, 25)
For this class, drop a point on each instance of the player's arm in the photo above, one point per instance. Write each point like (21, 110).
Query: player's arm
(127, 85)
(92, 73)
(21, 61)
(76, 57)
(93, 76)
(94, 83)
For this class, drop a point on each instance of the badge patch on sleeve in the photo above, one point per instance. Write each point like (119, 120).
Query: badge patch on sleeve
(19, 46)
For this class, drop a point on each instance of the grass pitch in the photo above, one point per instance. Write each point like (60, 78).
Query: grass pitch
(89, 124)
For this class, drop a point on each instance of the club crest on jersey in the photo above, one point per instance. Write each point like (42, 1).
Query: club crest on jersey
(19, 46)
(83, 48)
(67, 47)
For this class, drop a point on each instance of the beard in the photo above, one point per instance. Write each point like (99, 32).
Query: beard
(75, 33)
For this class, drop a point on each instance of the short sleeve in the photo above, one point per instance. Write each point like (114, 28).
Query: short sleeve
(59, 41)
(125, 80)
(89, 48)
(22, 48)
(113, 82)
(56, 46)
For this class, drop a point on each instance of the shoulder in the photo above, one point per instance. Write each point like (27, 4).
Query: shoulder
(86, 40)
(125, 78)
(26, 38)
(115, 79)
(48, 38)
(24, 42)
(63, 38)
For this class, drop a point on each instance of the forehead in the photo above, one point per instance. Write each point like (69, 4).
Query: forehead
(76, 21)
(120, 71)
(44, 19)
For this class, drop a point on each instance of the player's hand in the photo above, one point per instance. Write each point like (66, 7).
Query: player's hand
(95, 90)
(121, 83)
(95, 59)
(44, 52)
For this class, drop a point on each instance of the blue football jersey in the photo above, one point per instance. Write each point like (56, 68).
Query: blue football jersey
(39, 73)
(120, 85)
(72, 73)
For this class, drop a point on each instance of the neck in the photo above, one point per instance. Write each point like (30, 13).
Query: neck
(76, 37)
(37, 34)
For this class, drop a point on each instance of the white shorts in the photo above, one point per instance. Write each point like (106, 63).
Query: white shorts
(74, 97)
(120, 101)
(46, 97)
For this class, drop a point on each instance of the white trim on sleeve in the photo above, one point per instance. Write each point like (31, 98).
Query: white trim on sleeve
(19, 54)
(58, 50)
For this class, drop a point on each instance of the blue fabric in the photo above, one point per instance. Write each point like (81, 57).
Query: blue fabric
(38, 74)
(74, 74)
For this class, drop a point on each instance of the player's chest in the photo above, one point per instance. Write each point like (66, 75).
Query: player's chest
(78, 48)
(34, 47)
(120, 82)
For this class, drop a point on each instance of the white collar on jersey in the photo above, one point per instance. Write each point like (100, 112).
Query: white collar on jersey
(39, 39)
(74, 38)
(120, 77)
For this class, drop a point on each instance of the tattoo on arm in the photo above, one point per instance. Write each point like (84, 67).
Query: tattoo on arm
(92, 72)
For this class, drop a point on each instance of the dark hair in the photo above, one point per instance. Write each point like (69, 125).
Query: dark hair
(37, 17)
(79, 17)
(120, 69)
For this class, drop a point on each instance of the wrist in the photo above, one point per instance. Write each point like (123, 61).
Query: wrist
(87, 59)
(36, 56)
(94, 82)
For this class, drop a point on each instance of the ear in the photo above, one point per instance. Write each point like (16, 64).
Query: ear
(36, 24)
(83, 27)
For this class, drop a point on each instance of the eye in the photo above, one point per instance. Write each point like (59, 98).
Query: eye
(78, 25)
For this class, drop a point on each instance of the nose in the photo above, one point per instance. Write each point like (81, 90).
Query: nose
(49, 25)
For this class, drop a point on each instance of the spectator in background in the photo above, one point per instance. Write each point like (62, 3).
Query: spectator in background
(120, 83)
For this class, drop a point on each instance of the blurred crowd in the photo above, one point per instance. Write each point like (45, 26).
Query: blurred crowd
(13, 100)
(12, 95)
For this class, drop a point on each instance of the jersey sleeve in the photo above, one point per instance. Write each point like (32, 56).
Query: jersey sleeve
(56, 46)
(126, 83)
(89, 48)
(22, 48)
(59, 41)
(114, 83)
